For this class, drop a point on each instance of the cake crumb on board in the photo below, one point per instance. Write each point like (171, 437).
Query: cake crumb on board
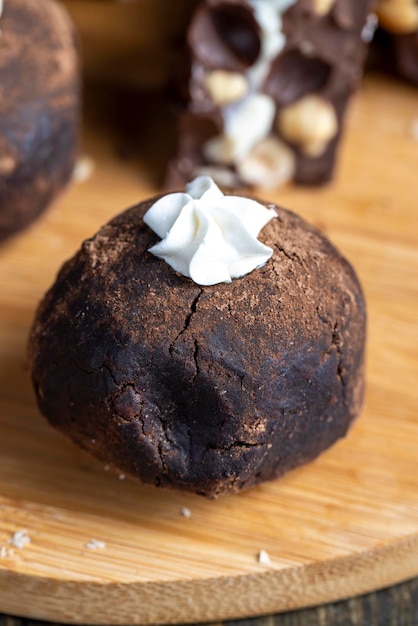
(95, 544)
(20, 539)
(263, 558)
(6, 553)
(84, 169)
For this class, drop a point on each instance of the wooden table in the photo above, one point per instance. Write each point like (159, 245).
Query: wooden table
(345, 525)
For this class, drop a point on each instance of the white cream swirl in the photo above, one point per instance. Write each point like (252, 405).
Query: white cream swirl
(207, 236)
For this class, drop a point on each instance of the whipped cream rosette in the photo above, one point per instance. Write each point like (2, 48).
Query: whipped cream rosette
(207, 236)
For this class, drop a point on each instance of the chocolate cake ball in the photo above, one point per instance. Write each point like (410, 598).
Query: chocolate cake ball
(206, 388)
(39, 94)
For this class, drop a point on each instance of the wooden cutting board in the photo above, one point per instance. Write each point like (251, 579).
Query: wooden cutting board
(345, 524)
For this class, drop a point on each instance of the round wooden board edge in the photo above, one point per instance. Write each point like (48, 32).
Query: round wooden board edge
(208, 599)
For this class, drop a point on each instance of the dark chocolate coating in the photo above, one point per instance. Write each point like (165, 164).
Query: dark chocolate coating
(39, 105)
(406, 55)
(205, 389)
(322, 56)
(395, 54)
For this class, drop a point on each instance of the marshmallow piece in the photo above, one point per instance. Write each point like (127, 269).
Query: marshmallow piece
(246, 123)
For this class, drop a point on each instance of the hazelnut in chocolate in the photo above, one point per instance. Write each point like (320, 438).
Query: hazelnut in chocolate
(399, 20)
(268, 87)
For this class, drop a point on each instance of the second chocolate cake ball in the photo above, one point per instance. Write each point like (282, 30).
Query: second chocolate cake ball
(39, 109)
(207, 388)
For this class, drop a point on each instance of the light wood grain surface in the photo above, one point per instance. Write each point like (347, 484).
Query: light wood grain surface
(344, 525)
(394, 606)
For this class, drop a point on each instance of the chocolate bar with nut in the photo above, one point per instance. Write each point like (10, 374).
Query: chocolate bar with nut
(399, 19)
(268, 87)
